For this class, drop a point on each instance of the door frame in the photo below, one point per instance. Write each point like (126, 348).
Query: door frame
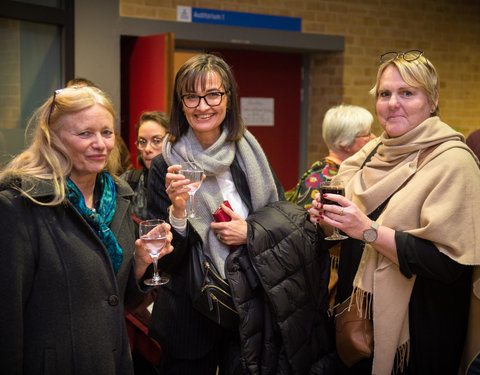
(203, 37)
(107, 24)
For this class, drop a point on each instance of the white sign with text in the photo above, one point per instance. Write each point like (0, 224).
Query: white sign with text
(257, 111)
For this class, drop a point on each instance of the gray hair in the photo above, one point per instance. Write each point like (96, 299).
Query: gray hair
(343, 123)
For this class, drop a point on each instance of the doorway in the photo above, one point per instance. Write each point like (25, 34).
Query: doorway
(260, 75)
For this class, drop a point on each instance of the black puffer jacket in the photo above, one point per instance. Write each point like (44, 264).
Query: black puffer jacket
(279, 283)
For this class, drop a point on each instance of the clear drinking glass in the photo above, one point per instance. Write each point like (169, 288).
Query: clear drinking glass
(153, 236)
(194, 173)
(330, 187)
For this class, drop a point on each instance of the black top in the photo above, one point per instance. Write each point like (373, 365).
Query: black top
(438, 309)
(439, 304)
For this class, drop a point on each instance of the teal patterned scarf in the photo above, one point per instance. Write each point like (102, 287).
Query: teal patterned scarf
(100, 219)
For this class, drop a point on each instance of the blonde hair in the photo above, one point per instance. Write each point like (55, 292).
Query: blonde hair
(417, 73)
(46, 157)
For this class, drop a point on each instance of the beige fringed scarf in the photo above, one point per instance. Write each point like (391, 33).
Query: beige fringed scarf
(438, 201)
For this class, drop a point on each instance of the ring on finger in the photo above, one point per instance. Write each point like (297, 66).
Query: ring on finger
(341, 211)
(219, 237)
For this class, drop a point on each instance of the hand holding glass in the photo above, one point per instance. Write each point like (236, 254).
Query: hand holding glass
(153, 235)
(194, 173)
(330, 187)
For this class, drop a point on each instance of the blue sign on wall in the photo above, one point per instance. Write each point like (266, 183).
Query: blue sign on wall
(223, 17)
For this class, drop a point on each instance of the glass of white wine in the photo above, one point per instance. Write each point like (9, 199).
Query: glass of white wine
(153, 235)
(194, 173)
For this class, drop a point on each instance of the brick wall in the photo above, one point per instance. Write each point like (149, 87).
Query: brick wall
(447, 31)
(10, 74)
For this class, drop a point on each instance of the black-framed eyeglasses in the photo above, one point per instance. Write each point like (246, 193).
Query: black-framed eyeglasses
(155, 142)
(53, 104)
(409, 56)
(212, 99)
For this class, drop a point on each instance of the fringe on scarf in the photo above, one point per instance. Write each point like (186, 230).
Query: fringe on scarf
(364, 302)
(334, 262)
(333, 280)
(402, 356)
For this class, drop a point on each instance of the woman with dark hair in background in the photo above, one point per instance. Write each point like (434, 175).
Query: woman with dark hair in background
(151, 129)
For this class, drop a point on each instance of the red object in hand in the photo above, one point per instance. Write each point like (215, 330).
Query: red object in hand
(220, 216)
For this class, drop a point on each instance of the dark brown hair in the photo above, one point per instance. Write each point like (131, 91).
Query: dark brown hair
(161, 118)
(197, 70)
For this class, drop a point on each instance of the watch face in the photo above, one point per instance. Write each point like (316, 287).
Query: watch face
(370, 235)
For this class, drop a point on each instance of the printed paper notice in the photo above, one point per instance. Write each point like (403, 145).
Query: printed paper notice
(257, 111)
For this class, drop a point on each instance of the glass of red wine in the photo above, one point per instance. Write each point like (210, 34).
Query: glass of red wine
(331, 187)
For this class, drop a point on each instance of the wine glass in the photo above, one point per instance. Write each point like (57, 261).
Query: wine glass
(194, 173)
(331, 187)
(153, 236)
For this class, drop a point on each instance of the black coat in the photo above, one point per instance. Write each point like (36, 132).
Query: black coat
(62, 306)
(185, 333)
(281, 293)
(181, 330)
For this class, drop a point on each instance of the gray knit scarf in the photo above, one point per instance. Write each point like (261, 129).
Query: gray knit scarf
(215, 160)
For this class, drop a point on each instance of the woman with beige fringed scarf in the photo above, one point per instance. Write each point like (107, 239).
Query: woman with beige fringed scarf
(417, 257)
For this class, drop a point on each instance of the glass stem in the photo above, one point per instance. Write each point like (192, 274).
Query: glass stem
(192, 210)
(156, 276)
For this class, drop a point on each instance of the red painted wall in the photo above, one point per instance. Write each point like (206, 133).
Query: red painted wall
(147, 82)
(278, 76)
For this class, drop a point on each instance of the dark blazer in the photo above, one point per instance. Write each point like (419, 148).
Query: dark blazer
(62, 305)
(181, 330)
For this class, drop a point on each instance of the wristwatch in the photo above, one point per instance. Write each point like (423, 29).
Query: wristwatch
(371, 234)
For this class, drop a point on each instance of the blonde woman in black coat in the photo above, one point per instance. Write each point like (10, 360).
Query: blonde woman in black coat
(68, 256)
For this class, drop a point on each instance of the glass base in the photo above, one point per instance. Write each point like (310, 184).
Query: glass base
(192, 216)
(335, 237)
(154, 281)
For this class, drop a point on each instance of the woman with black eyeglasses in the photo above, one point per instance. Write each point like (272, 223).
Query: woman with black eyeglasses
(205, 126)
(151, 129)
(412, 209)
(69, 261)
(260, 331)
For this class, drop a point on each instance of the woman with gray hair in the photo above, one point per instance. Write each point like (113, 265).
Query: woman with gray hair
(345, 130)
